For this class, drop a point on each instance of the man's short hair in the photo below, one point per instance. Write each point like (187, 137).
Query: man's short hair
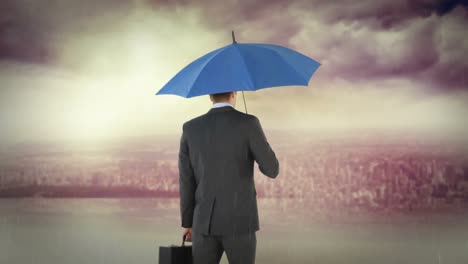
(221, 96)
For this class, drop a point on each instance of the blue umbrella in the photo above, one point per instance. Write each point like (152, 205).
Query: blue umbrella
(242, 67)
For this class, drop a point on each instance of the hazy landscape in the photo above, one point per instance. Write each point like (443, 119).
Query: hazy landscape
(352, 199)
(323, 172)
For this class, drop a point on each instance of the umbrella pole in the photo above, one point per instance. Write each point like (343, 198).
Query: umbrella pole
(245, 105)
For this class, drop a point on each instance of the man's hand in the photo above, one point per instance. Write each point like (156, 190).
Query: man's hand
(188, 234)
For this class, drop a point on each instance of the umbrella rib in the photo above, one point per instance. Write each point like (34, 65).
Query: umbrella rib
(247, 69)
(294, 68)
(205, 64)
(285, 61)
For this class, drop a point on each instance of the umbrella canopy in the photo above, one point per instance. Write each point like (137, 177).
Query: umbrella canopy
(242, 67)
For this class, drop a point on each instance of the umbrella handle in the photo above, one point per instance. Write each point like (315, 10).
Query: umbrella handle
(245, 105)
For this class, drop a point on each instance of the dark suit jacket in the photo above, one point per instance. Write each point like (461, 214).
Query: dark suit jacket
(216, 167)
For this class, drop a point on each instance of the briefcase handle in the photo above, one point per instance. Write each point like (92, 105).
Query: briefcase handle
(183, 240)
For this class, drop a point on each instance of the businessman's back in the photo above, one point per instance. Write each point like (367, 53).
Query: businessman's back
(218, 196)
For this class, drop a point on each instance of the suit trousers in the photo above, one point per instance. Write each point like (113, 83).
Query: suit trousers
(239, 248)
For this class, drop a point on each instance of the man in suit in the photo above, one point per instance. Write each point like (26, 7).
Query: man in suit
(218, 200)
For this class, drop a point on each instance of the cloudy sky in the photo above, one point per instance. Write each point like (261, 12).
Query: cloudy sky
(88, 70)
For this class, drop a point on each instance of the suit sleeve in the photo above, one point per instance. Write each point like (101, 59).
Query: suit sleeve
(187, 184)
(261, 150)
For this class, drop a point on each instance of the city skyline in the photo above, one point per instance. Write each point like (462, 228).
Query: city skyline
(327, 175)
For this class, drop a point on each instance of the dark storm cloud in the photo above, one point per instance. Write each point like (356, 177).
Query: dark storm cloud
(421, 40)
(420, 50)
(430, 49)
(383, 14)
(362, 57)
(443, 7)
(29, 29)
(18, 38)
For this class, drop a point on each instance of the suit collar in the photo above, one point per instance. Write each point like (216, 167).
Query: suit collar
(221, 104)
(221, 109)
